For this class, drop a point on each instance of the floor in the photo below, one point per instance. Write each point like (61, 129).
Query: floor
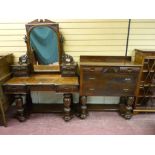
(97, 123)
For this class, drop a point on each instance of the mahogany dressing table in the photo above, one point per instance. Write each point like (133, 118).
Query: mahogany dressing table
(45, 67)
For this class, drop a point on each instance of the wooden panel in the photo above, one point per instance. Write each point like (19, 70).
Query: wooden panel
(101, 53)
(95, 37)
(94, 48)
(13, 32)
(95, 43)
(94, 31)
(12, 44)
(93, 25)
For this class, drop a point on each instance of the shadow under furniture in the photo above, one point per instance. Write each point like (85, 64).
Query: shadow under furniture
(45, 67)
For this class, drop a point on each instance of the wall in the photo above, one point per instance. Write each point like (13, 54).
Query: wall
(85, 37)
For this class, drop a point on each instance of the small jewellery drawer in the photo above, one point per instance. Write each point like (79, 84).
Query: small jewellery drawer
(67, 88)
(18, 68)
(14, 89)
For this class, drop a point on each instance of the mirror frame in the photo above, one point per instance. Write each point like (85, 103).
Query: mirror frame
(30, 53)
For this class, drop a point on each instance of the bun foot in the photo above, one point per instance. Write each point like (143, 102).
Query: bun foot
(127, 117)
(67, 118)
(21, 118)
(83, 116)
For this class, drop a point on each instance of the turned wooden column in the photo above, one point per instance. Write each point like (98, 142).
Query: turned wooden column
(83, 111)
(20, 108)
(126, 106)
(67, 106)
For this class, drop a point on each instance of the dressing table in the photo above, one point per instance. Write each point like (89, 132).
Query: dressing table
(42, 69)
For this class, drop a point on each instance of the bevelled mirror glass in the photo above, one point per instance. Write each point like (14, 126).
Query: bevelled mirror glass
(43, 46)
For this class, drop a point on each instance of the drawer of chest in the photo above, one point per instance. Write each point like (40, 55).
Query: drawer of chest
(110, 69)
(129, 70)
(90, 90)
(110, 79)
(67, 88)
(14, 89)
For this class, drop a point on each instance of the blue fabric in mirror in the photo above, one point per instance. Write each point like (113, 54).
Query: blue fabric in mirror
(44, 41)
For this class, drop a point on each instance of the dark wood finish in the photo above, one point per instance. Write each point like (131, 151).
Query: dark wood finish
(146, 90)
(20, 70)
(67, 106)
(5, 74)
(29, 76)
(32, 59)
(108, 76)
(84, 112)
(69, 69)
(20, 86)
(20, 108)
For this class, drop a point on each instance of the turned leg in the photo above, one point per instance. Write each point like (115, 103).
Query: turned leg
(129, 109)
(67, 106)
(126, 109)
(20, 108)
(84, 112)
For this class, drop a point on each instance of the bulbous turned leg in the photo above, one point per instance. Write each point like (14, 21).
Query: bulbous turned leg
(83, 111)
(67, 107)
(20, 108)
(129, 109)
(126, 109)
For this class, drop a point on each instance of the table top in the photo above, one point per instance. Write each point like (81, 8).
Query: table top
(43, 79)
(126, 64)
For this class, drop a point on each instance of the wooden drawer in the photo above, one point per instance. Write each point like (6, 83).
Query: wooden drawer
(111, 90)
(15, 89)
(110, 79)
(67, 88)
(110, 69)
(130, 70)
(42, 87)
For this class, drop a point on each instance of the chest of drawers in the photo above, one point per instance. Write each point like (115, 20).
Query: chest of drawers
(108, 76)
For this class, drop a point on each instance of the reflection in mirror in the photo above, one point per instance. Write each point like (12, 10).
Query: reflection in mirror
(44, 43)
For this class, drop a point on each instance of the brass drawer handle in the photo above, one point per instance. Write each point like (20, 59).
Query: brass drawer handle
(91, 70)
(127, 79)
(129, 70)
(125, 90)
(91, 89)
(91, 78)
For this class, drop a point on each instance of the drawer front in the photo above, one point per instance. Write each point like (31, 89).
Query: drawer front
(67, 88)
(15, 89)
(108, 91)
(109, 69)
(18, 68)
(130, 70)
(109, 81)
(21, 73)
(42, 88)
